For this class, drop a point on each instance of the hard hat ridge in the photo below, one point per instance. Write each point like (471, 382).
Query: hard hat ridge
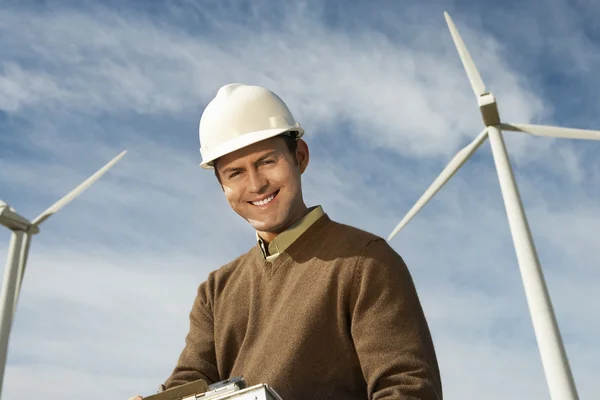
(240, 115)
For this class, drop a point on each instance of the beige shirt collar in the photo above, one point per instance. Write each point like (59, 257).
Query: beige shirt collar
(287, 237)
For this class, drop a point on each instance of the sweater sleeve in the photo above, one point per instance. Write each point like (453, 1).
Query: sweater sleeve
(389, 329)
(197, 360)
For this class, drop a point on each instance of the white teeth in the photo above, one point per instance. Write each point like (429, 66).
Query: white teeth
(265, 201)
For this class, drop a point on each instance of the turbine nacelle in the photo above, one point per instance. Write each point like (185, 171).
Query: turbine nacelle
(489, 109)
(13, 221)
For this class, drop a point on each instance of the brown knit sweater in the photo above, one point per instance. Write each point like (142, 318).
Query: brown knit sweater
(335, 316)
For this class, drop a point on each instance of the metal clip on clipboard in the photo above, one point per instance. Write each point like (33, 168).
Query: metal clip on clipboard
(234, 389)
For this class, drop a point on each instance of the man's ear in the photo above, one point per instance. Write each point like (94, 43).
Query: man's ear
(302, 155)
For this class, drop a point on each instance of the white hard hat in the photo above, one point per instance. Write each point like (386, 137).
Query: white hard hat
(239, 116)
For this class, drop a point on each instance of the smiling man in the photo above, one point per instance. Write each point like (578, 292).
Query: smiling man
(316, 309)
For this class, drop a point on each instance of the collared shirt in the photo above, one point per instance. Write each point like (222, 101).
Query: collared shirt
(287, 237)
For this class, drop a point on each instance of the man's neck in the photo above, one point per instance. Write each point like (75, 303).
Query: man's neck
(268, 237)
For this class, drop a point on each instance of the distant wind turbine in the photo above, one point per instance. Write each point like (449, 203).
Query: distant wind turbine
(22, 231)
(554, 359)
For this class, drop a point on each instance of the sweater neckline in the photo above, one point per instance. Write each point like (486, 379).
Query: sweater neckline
(297, 246)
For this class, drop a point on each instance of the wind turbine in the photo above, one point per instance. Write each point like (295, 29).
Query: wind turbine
(22, 231)
(554, 359)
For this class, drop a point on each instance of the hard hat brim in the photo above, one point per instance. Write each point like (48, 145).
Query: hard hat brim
(243, 141)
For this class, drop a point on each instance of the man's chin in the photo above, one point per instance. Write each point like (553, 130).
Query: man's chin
(267, 228)
(274, 225)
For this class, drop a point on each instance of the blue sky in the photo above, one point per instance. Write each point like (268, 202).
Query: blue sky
(381, 92)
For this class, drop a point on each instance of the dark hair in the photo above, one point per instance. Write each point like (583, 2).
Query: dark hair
(290, 138)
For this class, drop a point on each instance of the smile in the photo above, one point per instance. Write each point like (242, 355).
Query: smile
(265, 201)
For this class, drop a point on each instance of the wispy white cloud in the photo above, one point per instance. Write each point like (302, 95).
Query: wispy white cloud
(417, 100)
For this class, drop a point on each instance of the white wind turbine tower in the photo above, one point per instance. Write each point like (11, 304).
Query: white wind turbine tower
(22, 231)
(554, 360)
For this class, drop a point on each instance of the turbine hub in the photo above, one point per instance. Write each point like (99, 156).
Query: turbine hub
(10, 219)
(489, 109)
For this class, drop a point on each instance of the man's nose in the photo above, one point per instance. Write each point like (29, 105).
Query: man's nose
(257, 183)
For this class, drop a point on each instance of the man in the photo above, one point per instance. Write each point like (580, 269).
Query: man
(316, 309)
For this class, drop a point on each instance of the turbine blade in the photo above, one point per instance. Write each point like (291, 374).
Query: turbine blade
(553, 131)
(21, 268)
(476, 82)
(453, 166)
(77, 191)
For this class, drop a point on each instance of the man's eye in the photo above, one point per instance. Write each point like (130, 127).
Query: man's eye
(267, 162)
(233, 175)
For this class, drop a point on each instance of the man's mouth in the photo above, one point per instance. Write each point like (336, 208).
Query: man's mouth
(265, 201)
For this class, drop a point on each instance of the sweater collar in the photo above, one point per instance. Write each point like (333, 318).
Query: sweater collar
(289, 236)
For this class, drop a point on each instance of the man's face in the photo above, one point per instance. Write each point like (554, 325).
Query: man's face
(262, 184)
